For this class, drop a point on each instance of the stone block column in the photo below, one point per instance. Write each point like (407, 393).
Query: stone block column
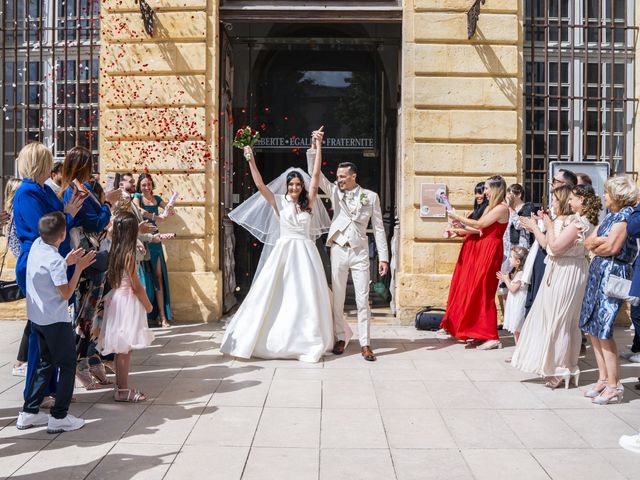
(158, 111)
(462, 121)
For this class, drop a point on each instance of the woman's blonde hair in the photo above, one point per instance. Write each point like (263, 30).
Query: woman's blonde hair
(10, 192)
(562, 194)
(497, 191)
(35, 162)
(622, 190)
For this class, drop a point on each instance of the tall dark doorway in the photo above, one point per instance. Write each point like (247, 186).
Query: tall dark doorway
(291, 78)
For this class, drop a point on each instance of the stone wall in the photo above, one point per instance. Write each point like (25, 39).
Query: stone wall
(461, 114)
(158, 114)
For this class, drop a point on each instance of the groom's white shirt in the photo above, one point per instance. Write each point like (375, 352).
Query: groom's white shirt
(349, 225)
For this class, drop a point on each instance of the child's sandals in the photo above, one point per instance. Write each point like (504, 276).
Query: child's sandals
(132, 395)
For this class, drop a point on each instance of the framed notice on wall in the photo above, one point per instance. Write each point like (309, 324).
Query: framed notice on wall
(432, 200)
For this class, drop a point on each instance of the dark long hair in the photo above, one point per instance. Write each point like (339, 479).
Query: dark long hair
(478, 208)
(303, 200)
(141, 177)
(77, 164)
(123, 247)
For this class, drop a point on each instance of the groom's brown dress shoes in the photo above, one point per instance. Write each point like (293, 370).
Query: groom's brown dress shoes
(338, 348)
(367, 353)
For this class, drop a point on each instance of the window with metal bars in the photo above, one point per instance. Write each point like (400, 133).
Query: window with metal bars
(49, 76)
(579, 86)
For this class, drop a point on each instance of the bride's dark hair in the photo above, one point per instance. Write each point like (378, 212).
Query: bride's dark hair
(303, 199)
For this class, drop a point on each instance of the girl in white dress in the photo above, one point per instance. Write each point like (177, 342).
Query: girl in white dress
(124, 326)
(287, 312)
(516, 298)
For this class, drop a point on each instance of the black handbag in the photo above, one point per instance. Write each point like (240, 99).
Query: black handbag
(9, 289)
(429, 318)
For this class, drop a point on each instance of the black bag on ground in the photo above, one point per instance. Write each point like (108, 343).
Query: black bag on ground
(429, 318)
(9, 289)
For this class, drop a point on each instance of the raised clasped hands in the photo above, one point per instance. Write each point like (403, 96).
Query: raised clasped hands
(316, 137)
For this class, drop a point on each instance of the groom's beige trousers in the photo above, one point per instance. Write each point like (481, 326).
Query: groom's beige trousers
(343, 260)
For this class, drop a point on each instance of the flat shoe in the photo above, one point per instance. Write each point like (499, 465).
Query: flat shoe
(367, 353)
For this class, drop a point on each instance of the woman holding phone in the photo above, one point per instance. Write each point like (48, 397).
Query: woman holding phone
(150, 204)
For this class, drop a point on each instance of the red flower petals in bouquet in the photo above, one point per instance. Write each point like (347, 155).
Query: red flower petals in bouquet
(246, 137)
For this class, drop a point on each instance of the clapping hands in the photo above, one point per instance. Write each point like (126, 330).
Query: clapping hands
(80, 258)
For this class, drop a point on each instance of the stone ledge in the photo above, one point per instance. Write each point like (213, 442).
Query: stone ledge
(157, 5)
(467, 92)
(154, 123)
(472, 159)
(159, 58)
(451, 27)
(126, 156)
(178, 26)
(479, 125)
(456, 59)
(153, 91)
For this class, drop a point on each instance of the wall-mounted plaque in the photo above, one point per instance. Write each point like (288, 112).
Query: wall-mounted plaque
(432, 200)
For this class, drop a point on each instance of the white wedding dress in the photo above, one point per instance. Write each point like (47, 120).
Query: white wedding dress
(287, 312)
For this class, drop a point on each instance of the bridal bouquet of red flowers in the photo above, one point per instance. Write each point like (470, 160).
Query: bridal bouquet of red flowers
(246, 137)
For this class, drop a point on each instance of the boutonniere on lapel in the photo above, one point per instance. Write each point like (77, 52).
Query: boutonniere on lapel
(364, 200)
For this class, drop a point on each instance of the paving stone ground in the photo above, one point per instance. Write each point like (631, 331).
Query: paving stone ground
(427, 409)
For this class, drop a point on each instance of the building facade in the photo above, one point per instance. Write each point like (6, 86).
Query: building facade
(404, 88)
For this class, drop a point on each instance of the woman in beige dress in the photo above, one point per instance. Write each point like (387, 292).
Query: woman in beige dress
(550, 340)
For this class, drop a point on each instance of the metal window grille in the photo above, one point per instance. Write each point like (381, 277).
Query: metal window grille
(579, 85)
(49, 75)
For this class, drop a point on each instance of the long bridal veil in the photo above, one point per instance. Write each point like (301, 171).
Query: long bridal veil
(260, 219)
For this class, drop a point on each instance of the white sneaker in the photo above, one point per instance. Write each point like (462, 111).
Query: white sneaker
(66, 424)
(627, 355)
(28, 420)
(635, 358)
(20, 371)
(630, 442)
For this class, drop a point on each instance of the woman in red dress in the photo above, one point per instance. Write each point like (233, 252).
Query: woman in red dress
(471, 307)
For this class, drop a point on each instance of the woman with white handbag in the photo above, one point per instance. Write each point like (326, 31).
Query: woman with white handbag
(614, 254)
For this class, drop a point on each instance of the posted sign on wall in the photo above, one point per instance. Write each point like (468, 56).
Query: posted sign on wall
(431, 200)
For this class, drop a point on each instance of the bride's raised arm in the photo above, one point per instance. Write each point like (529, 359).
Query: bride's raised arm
(317, 165)
(257, 179)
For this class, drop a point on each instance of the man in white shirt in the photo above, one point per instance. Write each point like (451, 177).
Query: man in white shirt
(48, 293)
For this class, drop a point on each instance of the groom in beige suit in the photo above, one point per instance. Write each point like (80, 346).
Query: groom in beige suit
(353, 208)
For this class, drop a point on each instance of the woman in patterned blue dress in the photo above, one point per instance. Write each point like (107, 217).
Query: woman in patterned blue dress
(614, 252)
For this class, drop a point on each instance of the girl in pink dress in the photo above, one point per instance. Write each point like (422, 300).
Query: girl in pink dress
(126, 306)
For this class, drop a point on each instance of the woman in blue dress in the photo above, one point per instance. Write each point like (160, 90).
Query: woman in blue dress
(32, 200)
(614, 252)
(157, 290)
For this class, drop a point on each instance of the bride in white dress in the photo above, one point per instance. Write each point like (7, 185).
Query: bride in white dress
(287, 312)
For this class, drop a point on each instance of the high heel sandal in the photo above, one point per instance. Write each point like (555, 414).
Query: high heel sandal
(84, 377)
(99, 373)
(555, 382)
(609, 395)
(597, 389)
